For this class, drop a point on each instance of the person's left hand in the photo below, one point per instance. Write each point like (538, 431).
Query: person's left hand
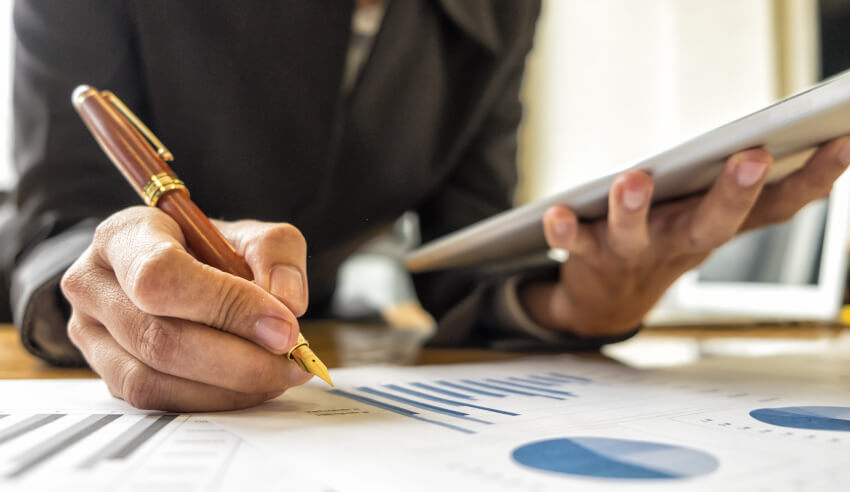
(620, 266)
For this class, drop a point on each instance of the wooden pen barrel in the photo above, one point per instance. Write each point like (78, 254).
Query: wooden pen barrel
(141, 165)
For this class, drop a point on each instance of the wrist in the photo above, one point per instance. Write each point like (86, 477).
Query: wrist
(549, 304)
(536, 297)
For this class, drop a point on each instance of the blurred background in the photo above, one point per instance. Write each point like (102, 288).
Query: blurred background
(6, 54)
(610, 81)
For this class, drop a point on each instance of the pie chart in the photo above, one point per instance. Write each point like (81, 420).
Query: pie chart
(815, 417)
(602, 457)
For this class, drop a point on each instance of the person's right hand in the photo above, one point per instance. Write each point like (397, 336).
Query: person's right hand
(168, 332)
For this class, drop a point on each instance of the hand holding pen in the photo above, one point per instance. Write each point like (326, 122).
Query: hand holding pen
(163, 329)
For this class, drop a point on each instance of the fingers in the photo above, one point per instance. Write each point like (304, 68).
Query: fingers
(143, 247)
(723, 209)
(182, 348)
(143, 387)
(627, 231)
(563, 231)
(628, 207)
(277, 254)
(779, 202)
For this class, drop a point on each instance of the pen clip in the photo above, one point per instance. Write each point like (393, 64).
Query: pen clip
(161, 151)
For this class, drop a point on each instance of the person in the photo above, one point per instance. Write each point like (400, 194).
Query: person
(279, 112)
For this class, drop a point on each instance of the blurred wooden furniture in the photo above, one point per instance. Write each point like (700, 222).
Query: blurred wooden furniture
(337, 344)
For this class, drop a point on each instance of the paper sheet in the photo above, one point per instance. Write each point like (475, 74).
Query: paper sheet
(70, 435)
(552, 423)
(563, 423)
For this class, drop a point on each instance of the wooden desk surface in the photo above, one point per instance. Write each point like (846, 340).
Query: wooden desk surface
(17, 363)
(337, 344)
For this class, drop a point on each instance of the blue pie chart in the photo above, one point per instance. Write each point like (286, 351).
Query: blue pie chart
(814, 417)
(602, 457)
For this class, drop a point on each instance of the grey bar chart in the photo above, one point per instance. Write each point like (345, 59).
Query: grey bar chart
(27, 425)
(56, 444)
(129, 441)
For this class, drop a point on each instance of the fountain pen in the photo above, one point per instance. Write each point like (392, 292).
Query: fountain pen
(142, 159)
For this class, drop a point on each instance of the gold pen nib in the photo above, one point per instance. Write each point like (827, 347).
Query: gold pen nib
(306, 358)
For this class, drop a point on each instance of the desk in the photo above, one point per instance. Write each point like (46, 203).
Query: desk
(651, 348)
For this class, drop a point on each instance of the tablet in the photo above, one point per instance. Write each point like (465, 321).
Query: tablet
(789, 129)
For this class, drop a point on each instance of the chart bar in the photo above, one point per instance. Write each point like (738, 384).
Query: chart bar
(422, 405)
(143, 437)
(471, 390)
(446, 401)
(442, 391)
(392, 408)
(58, 443)
(568, 377)
(555, 381)
(130, 440)
(510, 390)
(28, 424)
(533, 388)
(532, 381)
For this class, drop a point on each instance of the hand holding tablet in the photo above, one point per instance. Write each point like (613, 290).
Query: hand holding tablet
(620, 266)
(631, 235)
(789, 130)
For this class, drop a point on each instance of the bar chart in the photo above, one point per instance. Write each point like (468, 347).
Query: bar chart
(468, 403)
(112, 451)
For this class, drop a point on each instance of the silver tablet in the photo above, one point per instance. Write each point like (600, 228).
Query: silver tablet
(789, 129)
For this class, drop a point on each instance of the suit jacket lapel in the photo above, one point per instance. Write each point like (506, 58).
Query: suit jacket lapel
(477, 19)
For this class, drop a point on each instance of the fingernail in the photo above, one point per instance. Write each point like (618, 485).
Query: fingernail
(634, 199)
(844, 154)
(750, 173)
(274, 333)
(287, 283)
(562, 228)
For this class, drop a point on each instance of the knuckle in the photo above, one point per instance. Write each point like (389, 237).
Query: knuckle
(628, 243)
(105, 230)
(76, 330)
(152, 276)
(629, 251)
(77, 278)
(112, 226)
(158, 343)
(277, 236)
(707, 242)
(139, 387)
(286, 233)
(707, 234)
(72, 282)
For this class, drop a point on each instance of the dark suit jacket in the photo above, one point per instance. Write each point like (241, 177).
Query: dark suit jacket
(247, 96)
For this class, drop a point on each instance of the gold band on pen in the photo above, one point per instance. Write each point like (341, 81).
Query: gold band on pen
(302, 342)
(159, 185)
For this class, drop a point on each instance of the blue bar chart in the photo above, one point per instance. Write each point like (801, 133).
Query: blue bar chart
(466, 402)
